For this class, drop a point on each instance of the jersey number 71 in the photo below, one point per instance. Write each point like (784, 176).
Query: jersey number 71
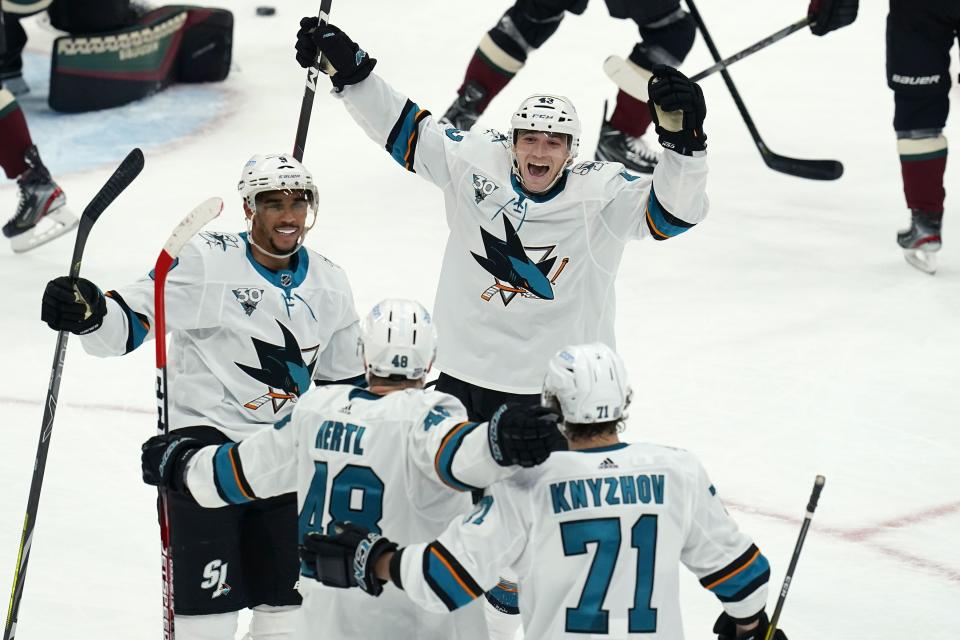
(589, 616)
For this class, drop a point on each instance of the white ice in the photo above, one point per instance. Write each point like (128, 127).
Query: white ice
(782, 338)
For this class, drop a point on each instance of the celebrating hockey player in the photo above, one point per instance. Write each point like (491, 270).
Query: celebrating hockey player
(255, 317)
(919, 38)
(535, 240)
(393, 456)
(595, 533)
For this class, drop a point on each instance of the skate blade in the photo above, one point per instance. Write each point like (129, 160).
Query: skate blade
(925, 261)
(51, 226)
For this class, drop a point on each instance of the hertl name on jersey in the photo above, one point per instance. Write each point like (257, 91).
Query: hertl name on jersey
(598, 492)
(337, 436)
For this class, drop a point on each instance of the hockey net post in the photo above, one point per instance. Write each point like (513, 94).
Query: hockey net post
(188, 227)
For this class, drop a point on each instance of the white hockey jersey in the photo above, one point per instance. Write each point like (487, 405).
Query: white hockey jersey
(535, 272)
(596, 537)
(403, 462)
(246, 341)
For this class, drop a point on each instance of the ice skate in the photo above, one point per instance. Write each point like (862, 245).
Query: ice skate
(634, 153)
(464, 111)
(41, 215)
(921, 240)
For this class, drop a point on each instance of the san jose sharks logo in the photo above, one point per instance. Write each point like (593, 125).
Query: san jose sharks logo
(286, 370)
(515, 272)
(215, 239)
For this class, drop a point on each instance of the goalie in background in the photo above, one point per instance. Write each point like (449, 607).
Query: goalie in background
(667, 33)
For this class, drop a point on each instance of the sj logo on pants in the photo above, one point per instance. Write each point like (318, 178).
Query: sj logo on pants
(215, 577)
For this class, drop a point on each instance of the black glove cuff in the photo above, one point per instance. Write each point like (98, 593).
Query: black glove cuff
(493, 437)
(341, 79)
(395, 568)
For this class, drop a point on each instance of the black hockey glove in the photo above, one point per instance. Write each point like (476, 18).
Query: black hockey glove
(829, 15)
(524, 434)
(347, 558)
(163, 460)
(346, 62)
(77, 306)
(678, 110)
(726, 629)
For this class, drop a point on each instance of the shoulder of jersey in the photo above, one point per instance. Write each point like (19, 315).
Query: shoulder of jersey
(320, 396)
(321, 260)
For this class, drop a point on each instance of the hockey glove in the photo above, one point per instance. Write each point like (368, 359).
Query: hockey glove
(524, 434)
(77, 306)
(345, 62)
(347, 558)
(678, 110)
(726, 629)
(829, 15)
(163, 460)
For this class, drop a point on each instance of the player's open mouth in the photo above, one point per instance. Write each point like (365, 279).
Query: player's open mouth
(287, 231)
(537, 170)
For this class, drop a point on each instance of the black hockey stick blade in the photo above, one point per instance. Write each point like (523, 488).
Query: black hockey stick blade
(126, 173)
(809, 169)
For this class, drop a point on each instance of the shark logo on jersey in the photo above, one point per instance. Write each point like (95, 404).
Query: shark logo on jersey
(215, 239)
(215, 577)
(283, 369)
(512, 268)
(482, 187)
(496, 136)
(249, 298)
(584, 168)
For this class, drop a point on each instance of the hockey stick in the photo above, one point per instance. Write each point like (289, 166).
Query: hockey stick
(787, 579)
(306, 107)
(627, 78)
(188, 227)
(128, 170)
(811, 169)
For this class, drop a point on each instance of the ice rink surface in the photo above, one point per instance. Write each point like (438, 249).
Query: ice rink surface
(782, 338)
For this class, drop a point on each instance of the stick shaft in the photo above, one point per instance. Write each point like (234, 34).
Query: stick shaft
(309, 91)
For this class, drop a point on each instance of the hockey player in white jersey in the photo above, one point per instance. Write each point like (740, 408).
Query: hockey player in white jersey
(595, 533)
(535, 240)
(393, 456)
(255, 318)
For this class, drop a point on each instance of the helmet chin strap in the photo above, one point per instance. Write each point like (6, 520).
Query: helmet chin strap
(280, 256)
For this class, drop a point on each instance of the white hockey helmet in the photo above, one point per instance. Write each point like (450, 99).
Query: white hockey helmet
(548, 113)
(276, 172)
(398, 339)
(588, 384)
